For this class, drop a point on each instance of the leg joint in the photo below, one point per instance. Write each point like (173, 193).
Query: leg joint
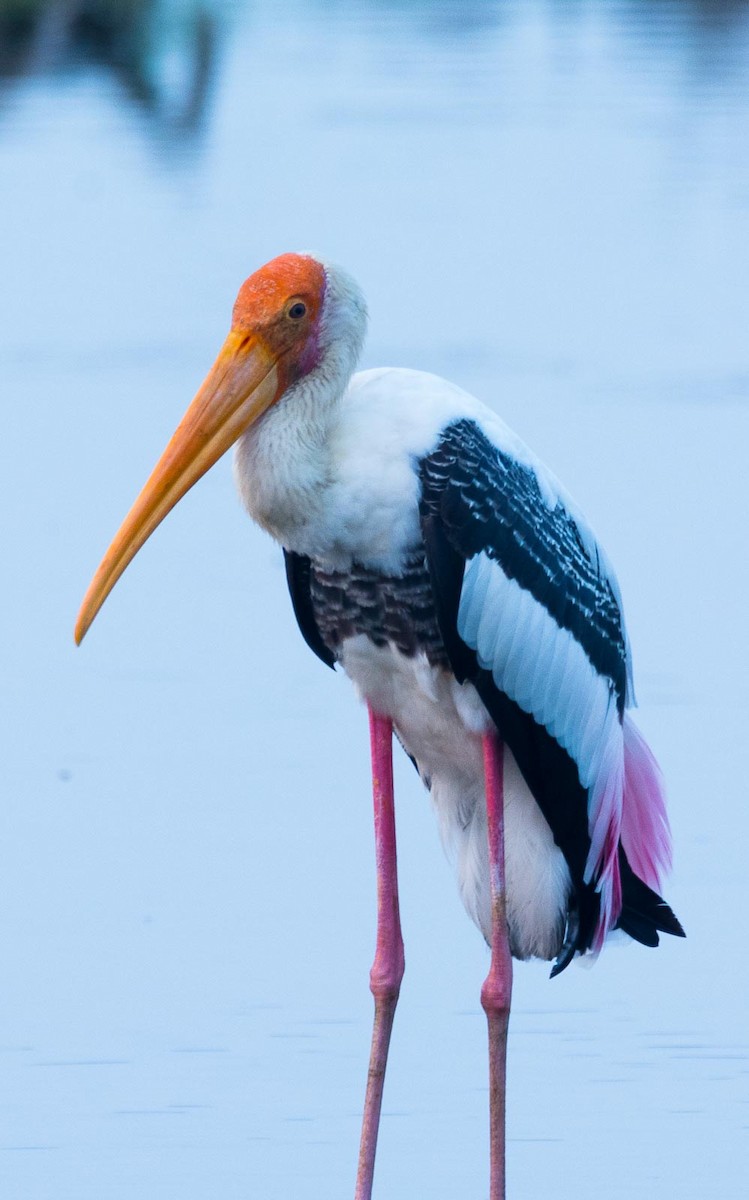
(387, 974)
(496, 995)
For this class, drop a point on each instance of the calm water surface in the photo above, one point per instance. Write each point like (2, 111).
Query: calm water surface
(547, 202)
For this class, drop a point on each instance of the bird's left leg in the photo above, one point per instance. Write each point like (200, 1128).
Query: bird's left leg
(389, 964)
(497, 989)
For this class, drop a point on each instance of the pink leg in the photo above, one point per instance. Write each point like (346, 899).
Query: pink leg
(497, 989)
(389, 964)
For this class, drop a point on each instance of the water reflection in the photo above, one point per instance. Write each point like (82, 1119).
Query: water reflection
(163, 56)
(164, 53)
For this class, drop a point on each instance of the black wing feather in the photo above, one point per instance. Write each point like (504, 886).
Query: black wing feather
(298, 577)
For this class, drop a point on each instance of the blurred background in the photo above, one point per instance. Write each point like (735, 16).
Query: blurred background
(546, 202)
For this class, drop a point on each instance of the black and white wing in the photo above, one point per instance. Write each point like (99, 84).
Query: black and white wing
(530, 613)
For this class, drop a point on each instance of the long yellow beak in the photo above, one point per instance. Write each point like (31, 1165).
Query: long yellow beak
(241, 385)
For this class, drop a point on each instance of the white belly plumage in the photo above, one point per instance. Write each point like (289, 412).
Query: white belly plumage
(440, 723)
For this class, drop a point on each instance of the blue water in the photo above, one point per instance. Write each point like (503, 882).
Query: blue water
(546, 202)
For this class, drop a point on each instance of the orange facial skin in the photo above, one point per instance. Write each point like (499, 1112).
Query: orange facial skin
(274, 341)
(262, 308)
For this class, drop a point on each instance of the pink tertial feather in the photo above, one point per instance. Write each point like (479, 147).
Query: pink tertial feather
(645, 832)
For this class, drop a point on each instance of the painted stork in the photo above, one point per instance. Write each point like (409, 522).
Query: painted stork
(442, 565)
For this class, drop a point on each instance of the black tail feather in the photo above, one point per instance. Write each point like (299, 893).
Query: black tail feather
(644, 913)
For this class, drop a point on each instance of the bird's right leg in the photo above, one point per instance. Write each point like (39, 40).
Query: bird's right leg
(389, 964)
(497, 989)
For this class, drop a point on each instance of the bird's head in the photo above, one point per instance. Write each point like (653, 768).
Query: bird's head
(294, 318)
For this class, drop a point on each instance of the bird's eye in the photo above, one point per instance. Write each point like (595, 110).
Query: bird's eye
(297, 310)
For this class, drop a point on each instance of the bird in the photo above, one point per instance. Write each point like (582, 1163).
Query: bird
(433, 557)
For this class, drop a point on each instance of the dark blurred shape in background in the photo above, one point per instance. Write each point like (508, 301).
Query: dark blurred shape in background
(163, 58)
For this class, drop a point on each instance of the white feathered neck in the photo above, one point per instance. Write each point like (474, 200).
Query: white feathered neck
(282, 465)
